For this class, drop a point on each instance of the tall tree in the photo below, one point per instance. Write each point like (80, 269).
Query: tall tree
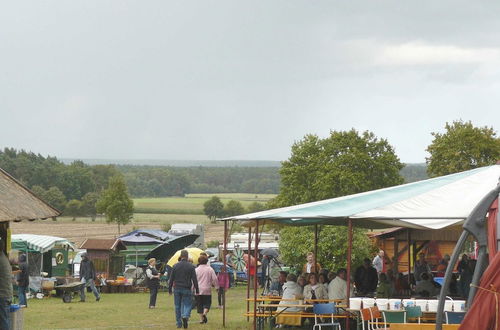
(89, 205)
(462, 147)
(341, 164)
(233, 208)
(56, 198)
(115, 202)
(73, 209)
(213, 208)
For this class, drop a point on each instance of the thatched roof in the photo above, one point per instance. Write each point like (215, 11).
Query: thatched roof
(18, 203)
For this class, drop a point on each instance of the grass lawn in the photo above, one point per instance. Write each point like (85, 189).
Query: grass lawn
(193, 203)
(129, 311)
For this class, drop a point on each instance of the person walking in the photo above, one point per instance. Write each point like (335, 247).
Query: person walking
(23, 280)
(223, 279)
(153, 282)
(183, 277)
(206, 280)
(5, 288)
(87, 277)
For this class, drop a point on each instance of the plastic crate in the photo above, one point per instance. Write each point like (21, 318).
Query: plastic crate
(16, 317)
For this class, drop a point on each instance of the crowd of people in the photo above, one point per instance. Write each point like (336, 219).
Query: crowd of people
(192, 285)
(371, 279)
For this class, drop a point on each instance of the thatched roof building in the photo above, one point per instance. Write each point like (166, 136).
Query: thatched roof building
(18, 203)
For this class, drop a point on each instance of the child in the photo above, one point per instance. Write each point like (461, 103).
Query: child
(223, 279)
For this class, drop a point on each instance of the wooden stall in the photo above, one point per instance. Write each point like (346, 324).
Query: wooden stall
(433, 243)
(104, 253)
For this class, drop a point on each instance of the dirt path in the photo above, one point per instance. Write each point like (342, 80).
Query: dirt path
(77, 232)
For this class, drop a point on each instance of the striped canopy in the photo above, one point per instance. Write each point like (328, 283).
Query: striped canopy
(38, 243)
(434, 203)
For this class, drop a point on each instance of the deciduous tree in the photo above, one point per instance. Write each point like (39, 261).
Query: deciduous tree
(462, 147)
(233, 208)
(115, 202)
(213, 208)
(344, 163)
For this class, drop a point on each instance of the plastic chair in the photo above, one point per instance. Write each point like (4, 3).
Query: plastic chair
(394, 317)
(454, 317)
(320, 310)
(371, 317)
(413, 312)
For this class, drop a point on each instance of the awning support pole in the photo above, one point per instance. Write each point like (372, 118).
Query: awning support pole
(248, 270)
(225, 271)
(349, 254)
(316, 248)
(256, 256)
(408, 243)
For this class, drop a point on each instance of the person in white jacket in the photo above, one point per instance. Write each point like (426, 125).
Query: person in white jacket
(337, 289)
(291, 290)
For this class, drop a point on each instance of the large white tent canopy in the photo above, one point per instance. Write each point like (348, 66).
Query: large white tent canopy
(429, 204)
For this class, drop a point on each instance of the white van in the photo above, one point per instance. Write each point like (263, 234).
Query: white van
(179, 229)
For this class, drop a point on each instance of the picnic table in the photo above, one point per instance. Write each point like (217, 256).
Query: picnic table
(267, 310)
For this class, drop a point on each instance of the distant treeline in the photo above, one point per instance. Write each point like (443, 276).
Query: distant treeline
(59, 182)
(159, 181)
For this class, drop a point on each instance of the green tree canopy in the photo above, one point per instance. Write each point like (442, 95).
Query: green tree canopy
(89, 205)
(343, 163)
(462, 147)
(56, 198)
(115, 202)
(213, 208)
(296, 242)
(73, 209)
(255, 207)
(233, 208)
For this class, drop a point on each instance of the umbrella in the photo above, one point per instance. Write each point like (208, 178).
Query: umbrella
(166, 250)
(194, 253)
(269, 252)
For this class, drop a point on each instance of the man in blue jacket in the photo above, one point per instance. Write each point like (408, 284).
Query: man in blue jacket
(5, 288)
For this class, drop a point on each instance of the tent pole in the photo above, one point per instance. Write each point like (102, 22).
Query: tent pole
(256, 256)
(225, 270)
(349, 254)
(478, 272)
(315, 261)
(408, 244)
(447, 277)
(248, 270)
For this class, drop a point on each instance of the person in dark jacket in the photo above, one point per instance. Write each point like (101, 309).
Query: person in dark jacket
(153, 281)
(87, 276)
(182, 278)
(5, 287)
(23, 280)
(366, 278)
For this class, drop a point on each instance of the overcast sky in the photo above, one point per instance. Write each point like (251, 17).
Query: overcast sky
(213, 80)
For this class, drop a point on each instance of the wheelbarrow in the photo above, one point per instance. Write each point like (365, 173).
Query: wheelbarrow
(69, 289)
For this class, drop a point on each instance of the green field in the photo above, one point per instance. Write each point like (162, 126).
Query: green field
(192, 203)
(129, 311)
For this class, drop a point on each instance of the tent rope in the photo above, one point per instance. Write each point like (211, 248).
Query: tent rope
(496, 294)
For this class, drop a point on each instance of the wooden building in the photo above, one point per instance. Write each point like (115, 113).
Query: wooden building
(104, 253)
(434, 244)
